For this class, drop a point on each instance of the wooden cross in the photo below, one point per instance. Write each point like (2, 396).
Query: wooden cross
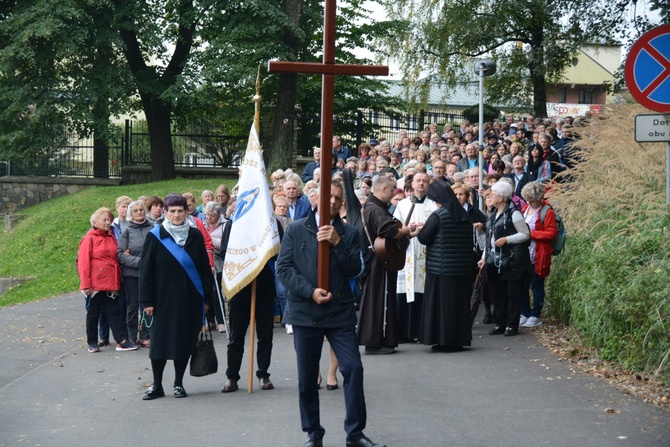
(328, 69)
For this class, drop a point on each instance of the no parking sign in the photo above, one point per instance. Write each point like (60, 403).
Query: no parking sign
(647, 74)
(647, 70)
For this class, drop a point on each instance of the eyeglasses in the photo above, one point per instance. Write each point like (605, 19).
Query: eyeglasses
(138, 211)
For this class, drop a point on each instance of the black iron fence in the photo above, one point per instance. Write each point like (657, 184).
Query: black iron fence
(77, 157)
(202, 145)
(194, 145)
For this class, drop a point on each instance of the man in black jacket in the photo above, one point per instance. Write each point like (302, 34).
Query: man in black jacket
(315, 313)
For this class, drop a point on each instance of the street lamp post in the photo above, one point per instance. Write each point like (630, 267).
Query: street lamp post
(483, 67)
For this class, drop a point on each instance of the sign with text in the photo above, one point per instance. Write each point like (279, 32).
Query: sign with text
(562, 109)
(652, 128)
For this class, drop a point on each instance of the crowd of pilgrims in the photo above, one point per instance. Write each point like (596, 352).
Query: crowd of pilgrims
(506, 247)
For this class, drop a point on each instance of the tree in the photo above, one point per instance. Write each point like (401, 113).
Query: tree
(75, 63)
(534, 40)
(291, 30)
(58, 72)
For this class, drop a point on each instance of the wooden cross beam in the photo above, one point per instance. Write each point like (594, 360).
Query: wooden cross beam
(328, 69)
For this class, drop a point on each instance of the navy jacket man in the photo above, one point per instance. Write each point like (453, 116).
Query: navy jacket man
(315, 313)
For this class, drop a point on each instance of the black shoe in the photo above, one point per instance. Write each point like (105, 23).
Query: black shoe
(363, 442)
(330, 387)
(314, 443)
(447, 348)
(510, 332)
(103, 342)
(179, 391)
(229, 386)
(488, 319)
(153, 392)
(266, 384)
(498, 330)
(369, 350)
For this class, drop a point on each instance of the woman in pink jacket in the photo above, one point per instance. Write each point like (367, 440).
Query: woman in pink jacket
(541, 219)
(99, 276)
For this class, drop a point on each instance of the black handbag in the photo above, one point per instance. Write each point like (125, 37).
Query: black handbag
(203, 360)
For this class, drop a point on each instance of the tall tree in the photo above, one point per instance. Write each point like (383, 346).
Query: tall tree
(157, 85)
(533, 40)
(58, 72)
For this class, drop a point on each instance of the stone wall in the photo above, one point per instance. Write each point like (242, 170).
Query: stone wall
(19, 192)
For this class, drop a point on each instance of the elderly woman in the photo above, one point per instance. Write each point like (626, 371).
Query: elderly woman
(507, 258)
(175, 283)
(154, 206)
(129, 255)
(541, 220)
(317, 176)
(447, 234)
(215, 223)
(206, 196)
(99, 277)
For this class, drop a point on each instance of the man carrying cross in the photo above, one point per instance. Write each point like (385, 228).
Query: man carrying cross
(328, 69)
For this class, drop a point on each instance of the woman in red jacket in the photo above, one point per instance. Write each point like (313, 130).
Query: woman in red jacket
(99, 276)
(541, 219)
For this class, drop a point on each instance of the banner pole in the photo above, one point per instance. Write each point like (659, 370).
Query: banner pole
(252, 332)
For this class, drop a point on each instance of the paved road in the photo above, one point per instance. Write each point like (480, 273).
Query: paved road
(503, 392)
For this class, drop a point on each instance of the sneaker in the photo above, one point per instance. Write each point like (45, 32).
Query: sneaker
(222, 328)
(522, 320)
(289, 329)
(126, 346)
(532, 322)
(93, 347)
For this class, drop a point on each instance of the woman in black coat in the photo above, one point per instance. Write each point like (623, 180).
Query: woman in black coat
(172, 294)
(447, 235)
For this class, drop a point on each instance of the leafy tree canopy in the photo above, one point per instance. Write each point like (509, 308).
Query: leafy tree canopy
(532, 42)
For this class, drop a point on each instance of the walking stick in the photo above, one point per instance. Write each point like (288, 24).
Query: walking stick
(223, 310)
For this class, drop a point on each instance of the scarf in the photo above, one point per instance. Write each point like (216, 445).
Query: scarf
(178, 232)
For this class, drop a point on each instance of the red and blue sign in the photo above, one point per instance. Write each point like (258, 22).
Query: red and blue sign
(647, 70)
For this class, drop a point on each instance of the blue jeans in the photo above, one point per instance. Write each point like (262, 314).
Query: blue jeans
(536, 285)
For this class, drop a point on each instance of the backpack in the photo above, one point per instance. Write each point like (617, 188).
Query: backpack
(559, 241)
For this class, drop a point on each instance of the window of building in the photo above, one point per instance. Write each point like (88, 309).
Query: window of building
(562, 95)
(585, 96)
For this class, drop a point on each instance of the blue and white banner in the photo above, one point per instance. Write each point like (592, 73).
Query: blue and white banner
(254, 237)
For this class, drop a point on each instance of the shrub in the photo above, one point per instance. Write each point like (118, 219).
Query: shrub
(611, 282)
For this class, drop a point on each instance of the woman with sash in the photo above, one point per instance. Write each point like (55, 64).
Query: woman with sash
(175, 282)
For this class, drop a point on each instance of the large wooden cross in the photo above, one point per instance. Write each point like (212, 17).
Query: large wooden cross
(328, 69)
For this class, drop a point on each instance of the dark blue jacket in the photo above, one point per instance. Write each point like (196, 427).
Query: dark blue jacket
(297, 271)
(302, 209)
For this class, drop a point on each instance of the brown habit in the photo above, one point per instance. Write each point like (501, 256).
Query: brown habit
(371, 331)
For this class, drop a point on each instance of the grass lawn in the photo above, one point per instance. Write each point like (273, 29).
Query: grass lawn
(44, 243)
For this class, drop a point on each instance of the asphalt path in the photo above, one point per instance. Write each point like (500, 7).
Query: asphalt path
(504, 391)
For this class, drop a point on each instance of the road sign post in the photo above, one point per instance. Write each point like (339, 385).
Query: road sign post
(647, 74)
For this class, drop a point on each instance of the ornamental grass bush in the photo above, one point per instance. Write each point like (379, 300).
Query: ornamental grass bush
(612, 281)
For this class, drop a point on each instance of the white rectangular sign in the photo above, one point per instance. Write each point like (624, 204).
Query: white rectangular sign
(652, 128)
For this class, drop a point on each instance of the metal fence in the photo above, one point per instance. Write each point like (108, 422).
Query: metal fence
(200, 145)
(75, 158)
(197, 146)
(368, 124)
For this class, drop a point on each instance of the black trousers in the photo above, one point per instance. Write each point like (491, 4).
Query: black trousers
(240, 312)
(308, 342)
(508, 294)
(94, 305)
